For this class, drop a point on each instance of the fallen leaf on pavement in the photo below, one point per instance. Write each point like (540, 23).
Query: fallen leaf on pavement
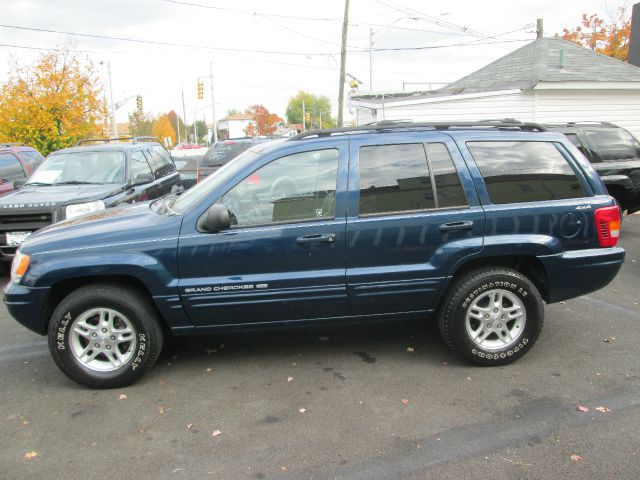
(445, 363)
(302, 410)
(209, 369)
(602, 409)
(283, 468)
(289, 379)
(189, 426)
(122, 396)
(405, 401)
(160, 409)
(582, 409)
(30, 455)
(576, 458)
(141, 430)
(409, 349)
(216, 433)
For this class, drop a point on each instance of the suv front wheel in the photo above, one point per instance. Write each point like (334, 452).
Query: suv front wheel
(104, 336)
(491, 316)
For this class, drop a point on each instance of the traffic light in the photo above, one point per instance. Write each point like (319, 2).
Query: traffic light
(307, 117)
(139, 103)
(200, 90)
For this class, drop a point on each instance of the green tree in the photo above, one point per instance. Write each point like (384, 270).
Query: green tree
(140, 124)
(317, 106)
(201, 127)
(233, 111)
(52, 104)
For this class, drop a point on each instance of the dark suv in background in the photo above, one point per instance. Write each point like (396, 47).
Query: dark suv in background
(613, 152)
(220, 153)
(17, 163)
(94, 175)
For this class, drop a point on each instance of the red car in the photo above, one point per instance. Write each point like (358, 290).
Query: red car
(17, 163)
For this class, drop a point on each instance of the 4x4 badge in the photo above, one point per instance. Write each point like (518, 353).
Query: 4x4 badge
(583, 207)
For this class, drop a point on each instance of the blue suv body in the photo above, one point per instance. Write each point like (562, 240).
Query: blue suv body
(476, 225)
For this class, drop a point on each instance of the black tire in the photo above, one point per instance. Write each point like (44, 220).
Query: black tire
(133, 311)
(469, 291)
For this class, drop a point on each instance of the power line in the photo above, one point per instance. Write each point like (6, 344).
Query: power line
(155, 42)
(225, 49)
(247, 12)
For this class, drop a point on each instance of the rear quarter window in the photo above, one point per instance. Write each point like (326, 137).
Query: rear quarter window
(613, 144)
(524, 171)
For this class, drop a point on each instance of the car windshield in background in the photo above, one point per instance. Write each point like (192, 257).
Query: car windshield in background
(81, 168)
(222, 152)
(192, 196)
(613, 144)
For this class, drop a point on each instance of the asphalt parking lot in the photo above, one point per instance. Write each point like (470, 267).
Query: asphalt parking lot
(359, 402)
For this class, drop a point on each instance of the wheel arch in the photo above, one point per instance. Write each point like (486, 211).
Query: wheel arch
(59, 290)
(528, 265)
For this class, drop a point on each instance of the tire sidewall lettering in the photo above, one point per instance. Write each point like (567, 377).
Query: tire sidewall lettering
(513, 287)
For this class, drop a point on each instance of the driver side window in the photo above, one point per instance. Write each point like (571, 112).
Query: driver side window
(294, 188)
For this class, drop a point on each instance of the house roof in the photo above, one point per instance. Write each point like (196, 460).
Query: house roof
(237, 116)
(543, 60)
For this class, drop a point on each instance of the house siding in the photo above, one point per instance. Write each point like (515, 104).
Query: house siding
(621, 107)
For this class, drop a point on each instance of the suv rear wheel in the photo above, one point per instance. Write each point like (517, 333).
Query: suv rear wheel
(104, 336)
(492, 316)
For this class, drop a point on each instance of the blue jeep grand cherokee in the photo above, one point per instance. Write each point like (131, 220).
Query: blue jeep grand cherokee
(475, 225)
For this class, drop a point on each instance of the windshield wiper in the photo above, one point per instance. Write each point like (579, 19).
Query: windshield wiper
(38, 184)
(77, 182)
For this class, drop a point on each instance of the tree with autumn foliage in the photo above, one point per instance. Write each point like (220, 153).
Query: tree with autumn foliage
(52, 104)
(264, 123)
(609, 38)
(162, 128)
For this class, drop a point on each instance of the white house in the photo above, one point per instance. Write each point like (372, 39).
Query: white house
(234, 126)
(548, 80)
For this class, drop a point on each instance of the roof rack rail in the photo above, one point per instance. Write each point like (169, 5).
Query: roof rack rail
(118, 139)
(608, 124)
(387, 125)
(12, 144)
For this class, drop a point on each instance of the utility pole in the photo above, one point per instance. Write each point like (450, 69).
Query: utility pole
(195, 129)
(371, 59)
(343, 60)
(304, 118)
(213, 105)
(113, 106)
(184, 119)
(539, 28)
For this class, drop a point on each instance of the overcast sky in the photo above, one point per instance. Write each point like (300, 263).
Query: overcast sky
(265, 51)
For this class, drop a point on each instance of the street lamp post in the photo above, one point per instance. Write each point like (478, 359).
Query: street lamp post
(371, 42)
(113, 106)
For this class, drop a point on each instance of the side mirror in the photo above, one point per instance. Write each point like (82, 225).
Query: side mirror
(141, 179)
(214, 220)
(18, 184)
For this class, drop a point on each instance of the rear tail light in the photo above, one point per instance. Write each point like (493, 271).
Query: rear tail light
(607, 221)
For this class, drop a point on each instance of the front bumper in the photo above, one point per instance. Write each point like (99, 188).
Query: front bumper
(27, 306)
(578, 272)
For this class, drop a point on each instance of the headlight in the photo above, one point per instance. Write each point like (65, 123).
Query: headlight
(19, 266)
(82, 208)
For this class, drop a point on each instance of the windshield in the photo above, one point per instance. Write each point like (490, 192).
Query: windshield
(613, 144)
(81, 167)
(192, 196)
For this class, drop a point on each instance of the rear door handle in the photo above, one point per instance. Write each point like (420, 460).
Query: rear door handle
(456, 226)
(316, 238)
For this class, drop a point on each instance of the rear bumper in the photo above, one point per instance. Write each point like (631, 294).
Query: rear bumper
(26, 305)
(578, 272)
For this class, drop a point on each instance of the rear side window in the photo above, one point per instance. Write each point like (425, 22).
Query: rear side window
(10, 168)
(139, 165)
(576, 141)
(404, 177)
(525, 171)
(613, 144)
(394, 178)
(449, 191)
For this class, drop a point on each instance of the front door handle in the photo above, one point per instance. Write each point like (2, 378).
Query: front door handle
(456, 226)
(316, 238)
